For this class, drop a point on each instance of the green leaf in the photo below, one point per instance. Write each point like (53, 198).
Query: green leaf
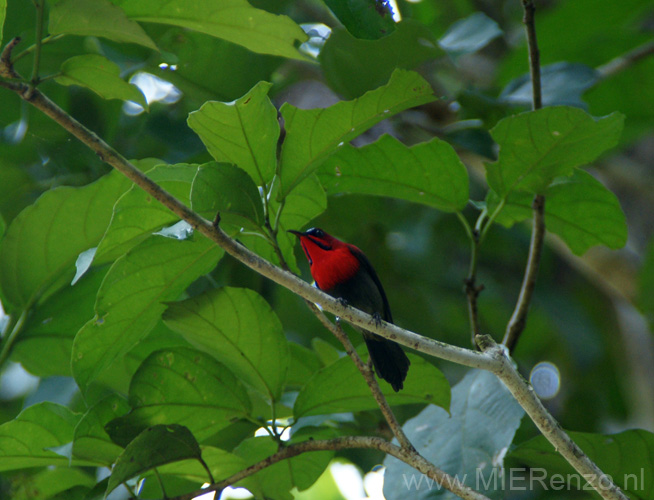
(469, 35)
(221, 463)
(43, 241)
(537, 146)
(430, 173)
(26, 441)
(367, 19)
(373, 61)
(130, 300)
(239, 329)
(221, 188)
(627, 457)
(243, 132)
(3, 13)
(45, 344)
(467, 443)
(137, 214)
(340, 387)
(313, 134)
(53, 483)
(579, 209)
(233, 20)
(91, 440)
(155, 446)
(181, 386)
(300, 472)
(304, 363)
(100, 75)
(96, 18)
(307, 201)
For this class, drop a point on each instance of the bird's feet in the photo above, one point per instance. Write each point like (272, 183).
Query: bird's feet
(376, 319)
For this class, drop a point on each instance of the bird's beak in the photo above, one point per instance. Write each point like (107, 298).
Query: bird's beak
(296, 233)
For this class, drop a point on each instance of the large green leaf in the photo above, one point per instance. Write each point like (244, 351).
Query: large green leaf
(54, 483)
(155, 446)
(3, 13)
(313, 134)
(181, 386)
(26, 441)
(627, 457)
(137, 214)
(469, 35)
(373, 61)
(233, 20)
(221, 463)
(537, 146)
(100, 75)
(243, 132)
(367, 19)
(340, 387)
(467, 443)
(238, 328)
(91, 439)
(44, 345)
(131, 299)
(429, 173)
(579, 209)
(42, 243)
(97, 18)
(221, 188)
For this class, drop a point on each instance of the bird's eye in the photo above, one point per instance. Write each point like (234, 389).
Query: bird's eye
(318, 233)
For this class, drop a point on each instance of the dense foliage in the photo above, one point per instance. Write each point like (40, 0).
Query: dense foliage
(158, 356)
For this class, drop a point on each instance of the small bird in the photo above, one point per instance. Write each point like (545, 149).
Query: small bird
(344, 272)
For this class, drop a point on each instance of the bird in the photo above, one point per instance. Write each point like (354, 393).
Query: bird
(344, 272)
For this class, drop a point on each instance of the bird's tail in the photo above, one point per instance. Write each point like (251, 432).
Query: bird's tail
(389, 360)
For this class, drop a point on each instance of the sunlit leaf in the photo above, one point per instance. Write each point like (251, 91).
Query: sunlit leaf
(131, 299)
(243, 132)
(239, 329)
(233, 20)
(469, 35)
(181, 386)
(42, 243)
(100, 75)
(97, 18)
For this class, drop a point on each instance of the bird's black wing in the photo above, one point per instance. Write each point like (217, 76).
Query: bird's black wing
(365, 263)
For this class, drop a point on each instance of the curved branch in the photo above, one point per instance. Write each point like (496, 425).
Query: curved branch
(484, 360)
(343, 443)
(519, 318)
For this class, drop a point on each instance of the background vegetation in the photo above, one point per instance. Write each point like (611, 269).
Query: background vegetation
(150, 308)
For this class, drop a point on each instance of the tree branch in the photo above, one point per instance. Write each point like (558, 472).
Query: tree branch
(534, 53)
(548, 426)
(369, 377)
(483, 360)
(343, 443)
(625, 60)
(518, 320)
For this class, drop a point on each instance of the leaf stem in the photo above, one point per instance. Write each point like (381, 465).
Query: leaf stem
(11, 337)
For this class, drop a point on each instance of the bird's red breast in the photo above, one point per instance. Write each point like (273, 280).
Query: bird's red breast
(332, 265)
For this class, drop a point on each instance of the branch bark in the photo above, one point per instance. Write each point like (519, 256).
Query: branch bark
(343, 443)
(500, 365)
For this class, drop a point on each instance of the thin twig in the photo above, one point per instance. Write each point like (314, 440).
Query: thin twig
(343, 443)
(625, 60)
(34, 81)
(466, 357)
(368, 375)
(518, 319)
(534, 53)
